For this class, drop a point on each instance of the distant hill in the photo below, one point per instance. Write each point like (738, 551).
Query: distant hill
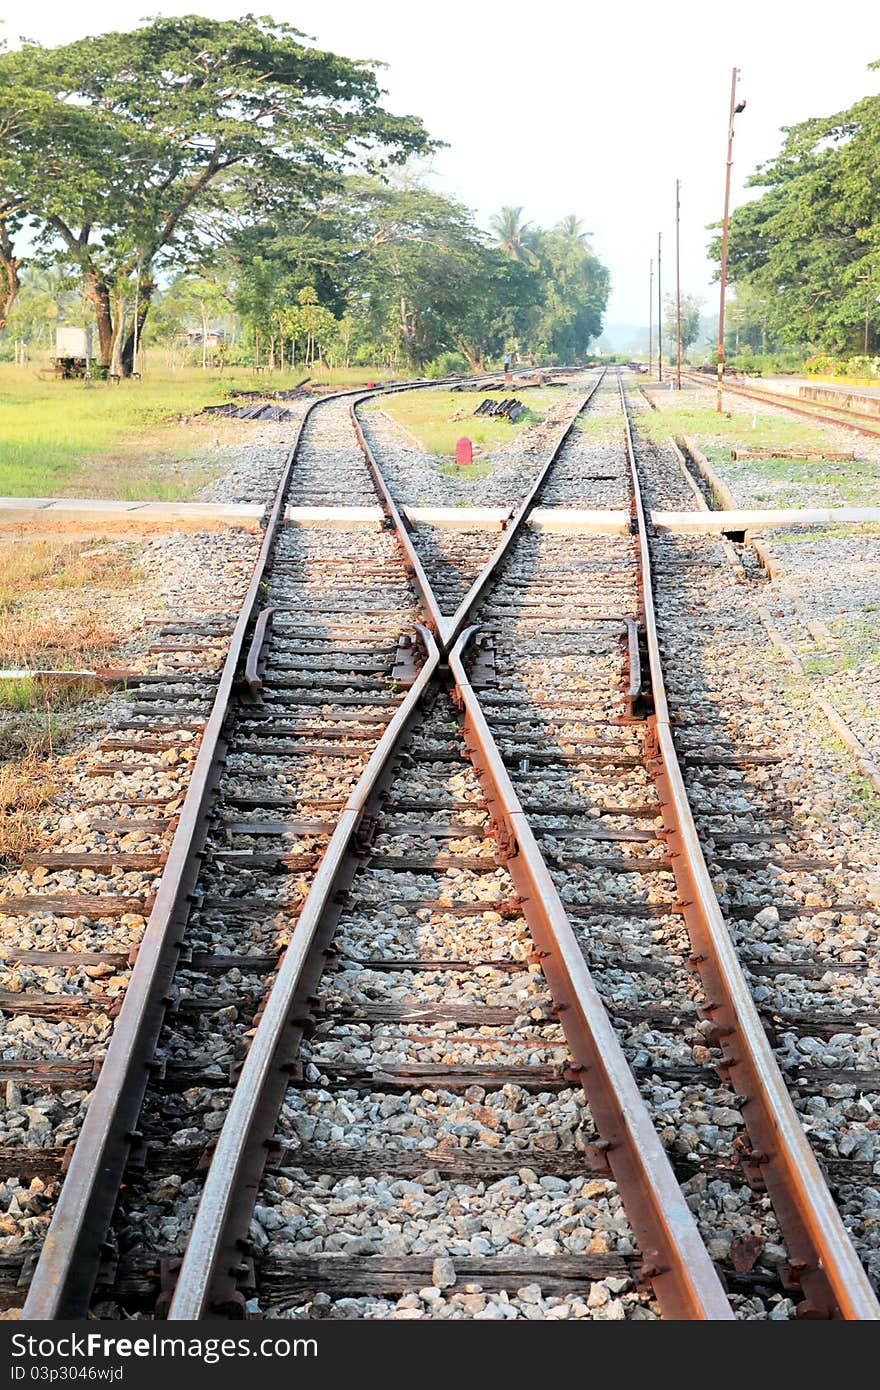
(633, 337)
(623, 337)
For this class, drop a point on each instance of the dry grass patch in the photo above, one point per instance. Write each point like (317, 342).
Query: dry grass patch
(61, 564)
(26, 786)
(34, 640)
(35, 629)
(52, 593)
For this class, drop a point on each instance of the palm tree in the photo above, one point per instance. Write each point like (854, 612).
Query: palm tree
(514, 236)
(572, 228)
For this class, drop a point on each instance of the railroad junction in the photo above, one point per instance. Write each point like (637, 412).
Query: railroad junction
(461, 917)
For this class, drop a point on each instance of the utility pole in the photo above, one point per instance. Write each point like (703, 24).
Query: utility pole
(134, 351)
(659, 315)
(734, 111)
(677, 287)
(651, 317)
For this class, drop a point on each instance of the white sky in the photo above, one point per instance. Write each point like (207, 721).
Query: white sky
(568, 107)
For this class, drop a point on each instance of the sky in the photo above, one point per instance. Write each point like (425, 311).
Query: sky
(567, 107)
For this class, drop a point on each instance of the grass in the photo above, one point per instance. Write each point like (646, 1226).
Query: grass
(437, 419)
(789, 480)
(768, 431)
(856, 646)
(862, 791)
(827, 533)
(19, 695)
(466, 472)
(598, 425)
(26, 786)
(35, 630)
(91, 439)
(854, 482)
(52, 596)
(59, 565)
(865, 794)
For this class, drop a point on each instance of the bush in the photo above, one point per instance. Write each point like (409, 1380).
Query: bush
(448, 364)
(859, 366)
(767, 363)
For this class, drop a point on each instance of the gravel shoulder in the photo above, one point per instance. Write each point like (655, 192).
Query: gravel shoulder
(824, 596)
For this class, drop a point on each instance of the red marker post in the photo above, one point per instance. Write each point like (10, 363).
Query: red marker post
(464, 450)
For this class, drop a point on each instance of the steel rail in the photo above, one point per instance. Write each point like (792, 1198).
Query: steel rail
(448, 629)
(213, 1258)
(676, 1263)
(801, 408)
(413, 567)
(66, 1270)
(823, 1260)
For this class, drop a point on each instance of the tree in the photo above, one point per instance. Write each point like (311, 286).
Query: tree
(809, 246)
(125, 147)
(746, 320)
(691, 304)
(46, 298)
(576, 287)
(515, 237)
(197, 299)
(413, 278)
(410, 262)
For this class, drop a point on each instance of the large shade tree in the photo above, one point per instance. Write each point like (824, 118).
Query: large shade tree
(809, 246)
(123, 149)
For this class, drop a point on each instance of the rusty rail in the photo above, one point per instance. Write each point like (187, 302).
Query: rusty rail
(213, 1254)
(65, 1273)
(676, 1261)
(448, 629)
(675, 1258)
(844, 421)
(823, 1260)
(252, 676)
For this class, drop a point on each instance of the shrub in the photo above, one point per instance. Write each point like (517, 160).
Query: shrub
(448, 364)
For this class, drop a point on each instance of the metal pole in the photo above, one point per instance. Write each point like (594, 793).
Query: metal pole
(718, 404)
(677, 288)
(134, 353)
(659, 315)
(651, 317)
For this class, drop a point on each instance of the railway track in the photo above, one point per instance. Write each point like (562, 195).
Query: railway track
(424, 1004)
(809, 410)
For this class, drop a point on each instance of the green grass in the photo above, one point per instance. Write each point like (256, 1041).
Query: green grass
(789, 480)
(846, 532)
(437, 419)
(20, 694)
(853, 482)
(466, 473)
(719, 432)
(856, 646)
(92, 439)
(862, 791)
(598, 426)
